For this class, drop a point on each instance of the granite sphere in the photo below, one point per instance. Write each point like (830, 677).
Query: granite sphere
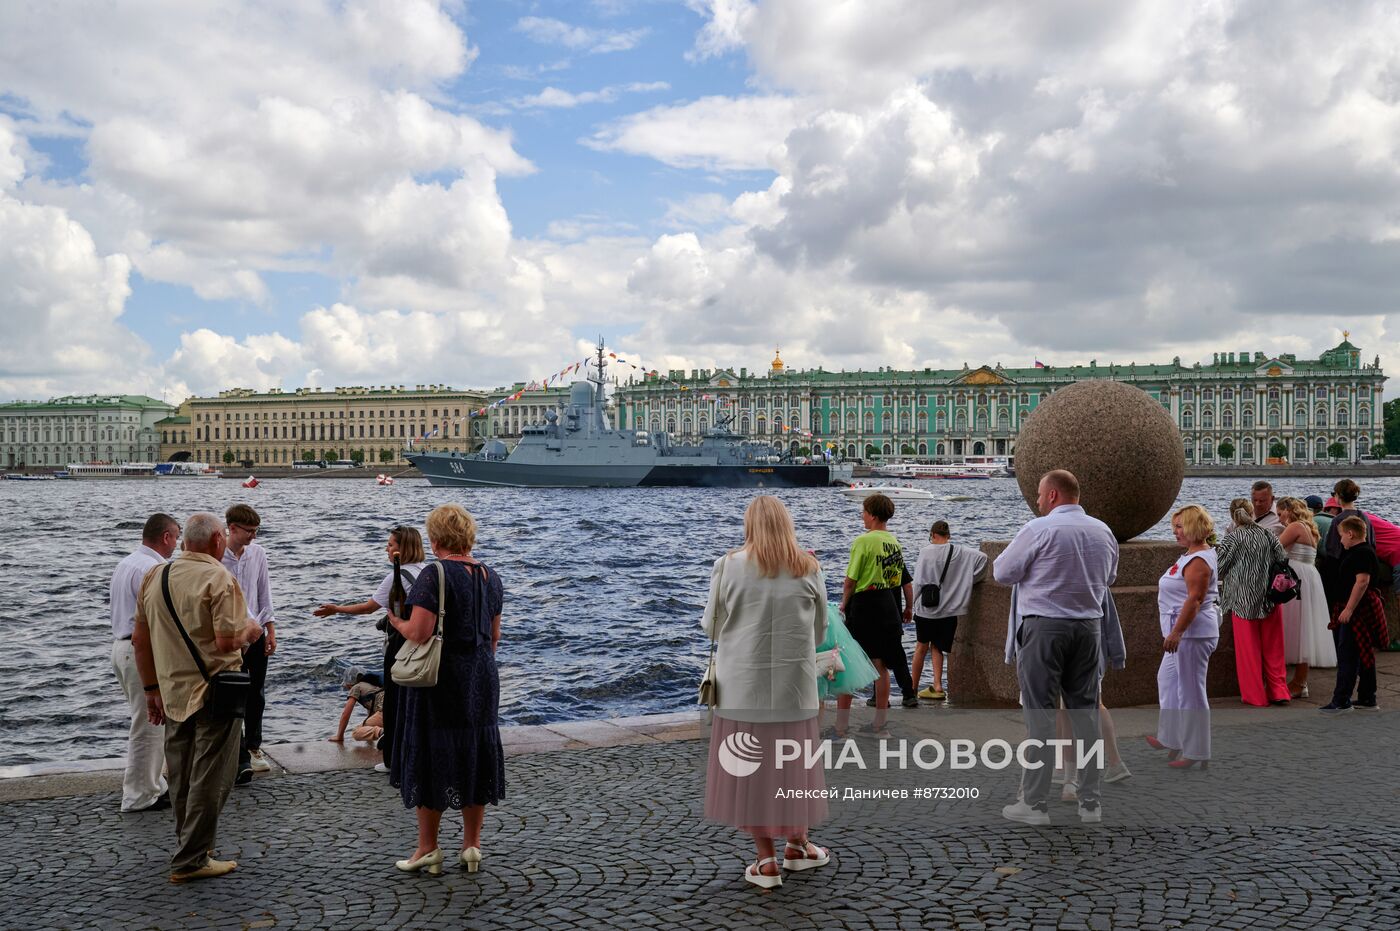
(1124, 448)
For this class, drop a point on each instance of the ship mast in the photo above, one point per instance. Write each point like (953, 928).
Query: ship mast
(599, 418)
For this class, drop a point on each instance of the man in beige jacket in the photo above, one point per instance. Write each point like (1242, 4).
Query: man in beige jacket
(201, 749)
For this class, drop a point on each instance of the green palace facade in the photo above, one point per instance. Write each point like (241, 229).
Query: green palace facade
(1249, 403)
(80, 428)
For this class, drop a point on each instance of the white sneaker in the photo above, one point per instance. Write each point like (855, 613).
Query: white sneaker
(1117, 772)
(1070, 793)
(1025, 814)
(1091, 815)
(258, 762)
(380, 768)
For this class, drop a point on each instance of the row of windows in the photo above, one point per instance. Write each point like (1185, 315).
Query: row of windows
(49, 435)
(304, 432)
(1228, 394)
(1300, 418)
(240, 416)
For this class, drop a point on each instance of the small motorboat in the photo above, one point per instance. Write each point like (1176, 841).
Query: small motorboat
(893, 492)
(250, 482)
(383, 479)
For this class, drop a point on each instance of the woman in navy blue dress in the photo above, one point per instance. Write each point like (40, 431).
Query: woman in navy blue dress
(447, 745)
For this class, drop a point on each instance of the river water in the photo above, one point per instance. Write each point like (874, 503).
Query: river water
(604, 587)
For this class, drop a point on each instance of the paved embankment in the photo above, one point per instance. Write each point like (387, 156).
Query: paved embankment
(1296, 825)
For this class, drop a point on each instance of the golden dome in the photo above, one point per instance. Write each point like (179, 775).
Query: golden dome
(777, 360)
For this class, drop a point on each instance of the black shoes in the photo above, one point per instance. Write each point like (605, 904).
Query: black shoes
(159, 804)
(244, 777)
(911, 702)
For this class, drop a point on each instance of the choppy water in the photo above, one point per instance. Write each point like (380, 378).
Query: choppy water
(604, 587)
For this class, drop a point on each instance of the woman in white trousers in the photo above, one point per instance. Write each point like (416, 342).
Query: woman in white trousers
(1188, 606)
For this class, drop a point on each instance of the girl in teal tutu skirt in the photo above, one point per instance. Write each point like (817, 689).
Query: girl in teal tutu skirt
(859, 671)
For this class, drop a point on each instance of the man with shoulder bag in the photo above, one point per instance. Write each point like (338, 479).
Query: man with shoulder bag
(190, 628)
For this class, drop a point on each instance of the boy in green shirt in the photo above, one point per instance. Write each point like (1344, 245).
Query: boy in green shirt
(876, 576)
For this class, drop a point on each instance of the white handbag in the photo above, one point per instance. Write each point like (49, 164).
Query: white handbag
(416, 664)
(829, 663)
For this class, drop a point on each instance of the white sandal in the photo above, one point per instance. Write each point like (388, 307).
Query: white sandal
(753, 873)
(806, 861)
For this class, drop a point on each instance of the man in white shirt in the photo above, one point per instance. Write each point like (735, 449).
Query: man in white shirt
(1062, 564)
(143, 786)
(248, 563)
(1261, 494)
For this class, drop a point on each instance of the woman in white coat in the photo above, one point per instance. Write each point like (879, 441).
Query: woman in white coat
(766, 614)
(1188, 606)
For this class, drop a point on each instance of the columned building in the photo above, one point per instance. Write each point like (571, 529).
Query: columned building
(278, 427)
(1242, 407)
(89, 428)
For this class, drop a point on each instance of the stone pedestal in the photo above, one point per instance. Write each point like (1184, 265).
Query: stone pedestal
(978, 674)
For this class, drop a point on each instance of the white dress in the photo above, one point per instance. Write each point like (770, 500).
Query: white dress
(1306, 638)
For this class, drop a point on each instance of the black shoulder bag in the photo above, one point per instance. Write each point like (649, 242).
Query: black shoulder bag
(228, 690)
(931, 594)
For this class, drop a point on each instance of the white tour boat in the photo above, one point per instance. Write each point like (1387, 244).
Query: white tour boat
(893, 492)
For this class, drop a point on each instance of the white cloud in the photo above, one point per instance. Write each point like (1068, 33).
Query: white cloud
(206, 362)
(555, 98)
(716, 133)
(271, 139)
(579, 38)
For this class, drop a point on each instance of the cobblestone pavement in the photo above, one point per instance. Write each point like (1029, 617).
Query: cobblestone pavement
(1293, 827)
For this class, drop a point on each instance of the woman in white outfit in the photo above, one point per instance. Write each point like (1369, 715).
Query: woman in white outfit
(1306, 640)
(1188, 605)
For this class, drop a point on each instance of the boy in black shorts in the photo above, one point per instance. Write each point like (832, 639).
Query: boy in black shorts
(943, 582)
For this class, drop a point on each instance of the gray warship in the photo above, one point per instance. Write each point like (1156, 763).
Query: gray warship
(578, 448)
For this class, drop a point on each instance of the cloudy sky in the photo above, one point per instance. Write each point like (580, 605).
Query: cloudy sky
(294, 192)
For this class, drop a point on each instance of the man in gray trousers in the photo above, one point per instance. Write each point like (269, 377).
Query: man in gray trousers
(1062, 564)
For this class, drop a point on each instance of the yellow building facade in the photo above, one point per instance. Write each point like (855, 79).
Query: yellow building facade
(279, 428)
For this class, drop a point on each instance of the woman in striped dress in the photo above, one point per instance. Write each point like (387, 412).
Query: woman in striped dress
(1245, 557)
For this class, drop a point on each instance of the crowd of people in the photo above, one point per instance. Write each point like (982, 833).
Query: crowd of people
(1300, 579)
(192, 636)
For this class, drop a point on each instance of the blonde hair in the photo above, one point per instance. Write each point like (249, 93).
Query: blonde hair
(1301, 513)
(1196, 524)
(1242, 512)
(452, 528)
(771, 539)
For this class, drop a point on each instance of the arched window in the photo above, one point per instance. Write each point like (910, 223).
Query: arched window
(1207, 419)
(1247, 450)
(941, 424)
(1273, 418)
(1188, 394)
(1003, 419)
(904, 422)
(1300, 417)
(979, 449)
(923, 449)
(1228, 394)
(981, 420)
(939, 450)
(760, 424)
(1188, 420)
(885, 420)
(686, 425)
(1189, 450)
(1320, 449)
(850, 421)
(1227, 418)
(1300, 449)
(1342, 417)
(960, 422)
(1321, 416)
(1363, 446)
(869, 422)
(1208, 394)
(1363, 416)
(670, 425)
(1247, 418)
(778, 423)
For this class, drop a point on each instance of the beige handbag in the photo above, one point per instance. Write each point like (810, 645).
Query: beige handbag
(416, 664)
(709, 686)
